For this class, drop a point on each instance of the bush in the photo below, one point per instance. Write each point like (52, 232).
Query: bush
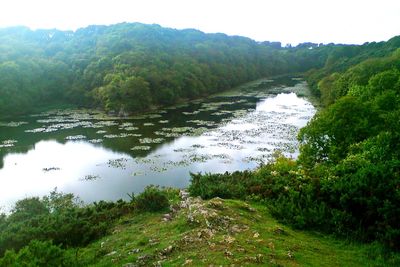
(60, 218)
(37, 254)
(152, 199)
(226, 185)
(364, 198)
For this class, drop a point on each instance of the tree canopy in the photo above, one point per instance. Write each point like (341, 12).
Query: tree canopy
(130, 67)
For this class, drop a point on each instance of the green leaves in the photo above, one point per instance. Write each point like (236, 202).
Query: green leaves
(58, 217)
(152, 199)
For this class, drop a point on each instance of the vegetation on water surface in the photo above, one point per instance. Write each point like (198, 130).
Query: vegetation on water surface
(346, 179)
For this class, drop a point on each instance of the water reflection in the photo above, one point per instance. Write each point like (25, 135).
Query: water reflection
(99, 157)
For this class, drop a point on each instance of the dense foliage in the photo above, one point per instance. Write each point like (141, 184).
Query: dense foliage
(39, 232)
(347, 177)
(37, 254)
(131, 67)
(283, 185)
(59, 218)
(152, 199)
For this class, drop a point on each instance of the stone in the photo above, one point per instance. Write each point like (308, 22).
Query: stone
(290, 255)
(167, 250)
(134, 251)
(229, 239)
(111, 253)
(216, 203)
(188, 262)
(279, 231)
(184, 194)
(228, 253)
(167, 217)
(248, 208)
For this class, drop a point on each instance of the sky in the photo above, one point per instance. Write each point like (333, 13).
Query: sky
(287, 21)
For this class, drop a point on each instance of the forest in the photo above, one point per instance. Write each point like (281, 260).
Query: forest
(132, 67)
(346, 180)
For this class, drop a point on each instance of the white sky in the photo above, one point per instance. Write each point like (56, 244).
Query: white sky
(288, 21)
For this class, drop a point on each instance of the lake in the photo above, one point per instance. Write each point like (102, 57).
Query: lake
(99, 157)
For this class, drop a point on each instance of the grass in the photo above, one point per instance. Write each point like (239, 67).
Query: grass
(219, 232)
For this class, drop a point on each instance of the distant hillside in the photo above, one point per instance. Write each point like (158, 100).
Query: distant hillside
(131, 67)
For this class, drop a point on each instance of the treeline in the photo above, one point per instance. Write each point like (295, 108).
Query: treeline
(347, 177)
(132, 67)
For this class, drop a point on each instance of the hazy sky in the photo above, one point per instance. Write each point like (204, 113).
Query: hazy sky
(288, 21)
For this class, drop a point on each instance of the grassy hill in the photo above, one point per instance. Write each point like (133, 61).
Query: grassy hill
(220, 232)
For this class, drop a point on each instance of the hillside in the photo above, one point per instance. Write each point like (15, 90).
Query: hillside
(220, 232)
(217, 232)
(131, 67)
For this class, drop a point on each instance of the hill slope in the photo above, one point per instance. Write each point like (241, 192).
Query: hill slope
(219, 232)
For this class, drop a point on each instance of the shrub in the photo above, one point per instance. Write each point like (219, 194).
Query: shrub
(226, 185)
(60, 218)
(152, 199)
(37, 253)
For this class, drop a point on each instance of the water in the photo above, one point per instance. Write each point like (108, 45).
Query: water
(99, 157)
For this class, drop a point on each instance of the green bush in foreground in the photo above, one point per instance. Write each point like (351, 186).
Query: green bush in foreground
(290, 194)
(59, 218)
(37, 254)
(152, 199)
(358, 198)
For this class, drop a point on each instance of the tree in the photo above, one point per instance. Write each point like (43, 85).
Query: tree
(329, 135)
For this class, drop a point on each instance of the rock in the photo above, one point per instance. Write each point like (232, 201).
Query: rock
(259, 258)
(228, 253)
(248, 208)
(238, 229)
(167, 250)
(229, 239)
(256, 235)
(184, 194)
(279, 231)
(153, 242)
(167, 217)
(205, 233)
(216, 203)
(235, 229)
(143, 258)
(134, 251)
(174, 208)
(290, 255)
(111, 253)
(187, 240)
(188, 262)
